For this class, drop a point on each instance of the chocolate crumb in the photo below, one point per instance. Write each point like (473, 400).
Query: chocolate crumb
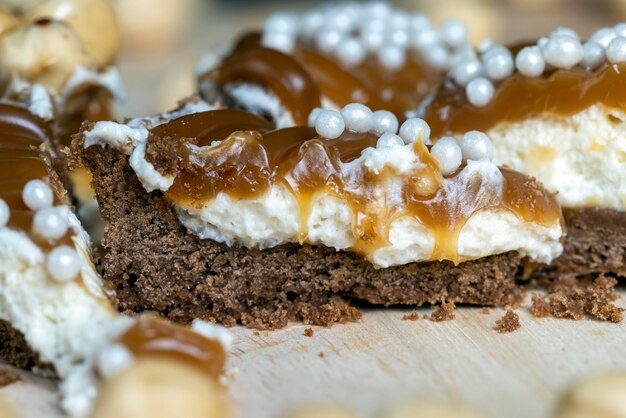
(444, 313)
(485, 311)
(413, 316)
(256, 333)
(321, 354)
(571, 298)
(508, 323)
(308, 332)
(8, 377)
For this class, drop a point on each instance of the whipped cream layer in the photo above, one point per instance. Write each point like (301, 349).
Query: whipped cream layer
(582, 157)
(276, 216)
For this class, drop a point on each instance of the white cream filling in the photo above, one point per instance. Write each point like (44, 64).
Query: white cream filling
(582, 157)
(256, 98)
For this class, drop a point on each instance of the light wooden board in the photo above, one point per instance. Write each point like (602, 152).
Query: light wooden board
(382, 359)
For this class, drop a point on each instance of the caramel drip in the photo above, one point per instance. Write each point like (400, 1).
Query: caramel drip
(320, 75)
(21, 160)
(561, 93)
(151, 336)
(248, 162)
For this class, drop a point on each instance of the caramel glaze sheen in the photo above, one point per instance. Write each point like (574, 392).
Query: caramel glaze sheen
(247, 162)
(300, 79)
(151, 336)
(561, 93)
(21, 159)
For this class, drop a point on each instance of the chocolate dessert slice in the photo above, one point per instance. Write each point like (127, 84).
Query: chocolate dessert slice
(216, 215)
(331, 56)
(55, 315)
(556, 111)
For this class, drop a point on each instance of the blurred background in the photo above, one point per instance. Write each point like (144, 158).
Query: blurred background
(165, 39)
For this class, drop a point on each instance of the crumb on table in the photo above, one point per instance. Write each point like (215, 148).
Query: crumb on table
(308, 332)
(508, 323)
(445, 312)
(8, 376)
(413, 316)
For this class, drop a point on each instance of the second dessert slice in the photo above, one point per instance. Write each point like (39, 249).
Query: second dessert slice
(219, 216)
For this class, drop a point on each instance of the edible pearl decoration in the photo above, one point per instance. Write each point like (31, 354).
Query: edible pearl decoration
(327, 40)
(529, 61)
(384, 121)
(279, 41)
(37, 195)
(113, 359)
(616, 51)
(313, 116)
(51, 223)
(620, 29)
(391, 57)
(389, 140)
(329, 124)
(603, 36)
(448, 154)
(563, 51)
(453, 33)
(351, 52)
(63, 263)
(357, 117)
(565, 31)
(498, 62)
(5, 213)
(415, 129)
(593, 55)
(479, 91)
(476, 146)
(350, 31)
(467, 70)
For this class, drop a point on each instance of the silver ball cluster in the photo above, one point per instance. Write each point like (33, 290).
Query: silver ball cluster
(356, 117)
(352, 31)
(50, 223)
(450, 153)
(562, 49)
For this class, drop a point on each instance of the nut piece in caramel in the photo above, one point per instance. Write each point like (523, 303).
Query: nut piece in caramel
(596, 397)
(156, 387)
(44, 52)
(94, 22)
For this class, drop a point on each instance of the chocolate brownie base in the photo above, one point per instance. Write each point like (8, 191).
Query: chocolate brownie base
(154, 264)
(15, 351)
(595, 244)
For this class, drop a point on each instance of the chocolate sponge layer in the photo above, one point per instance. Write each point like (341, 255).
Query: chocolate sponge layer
(155, 264)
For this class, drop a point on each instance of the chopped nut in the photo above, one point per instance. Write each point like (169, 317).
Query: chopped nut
(596, 397)
(161, 388)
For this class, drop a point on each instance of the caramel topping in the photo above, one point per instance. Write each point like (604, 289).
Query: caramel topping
(21, 160)
(151, 336)
(560, 93)
(278, 72)
(303, 77)
(247, 162)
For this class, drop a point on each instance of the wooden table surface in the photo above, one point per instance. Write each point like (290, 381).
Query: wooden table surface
(383, 359)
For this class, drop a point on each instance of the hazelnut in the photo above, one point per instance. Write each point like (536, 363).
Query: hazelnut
(7, 21)
(44, 52)
(432, 408)
(596, 397)
(157, 387)
(94, 21)
(321, 412)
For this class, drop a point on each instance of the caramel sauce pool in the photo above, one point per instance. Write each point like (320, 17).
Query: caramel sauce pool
(301, 78)
(151, 336)
(560, 93)
(250, 159)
